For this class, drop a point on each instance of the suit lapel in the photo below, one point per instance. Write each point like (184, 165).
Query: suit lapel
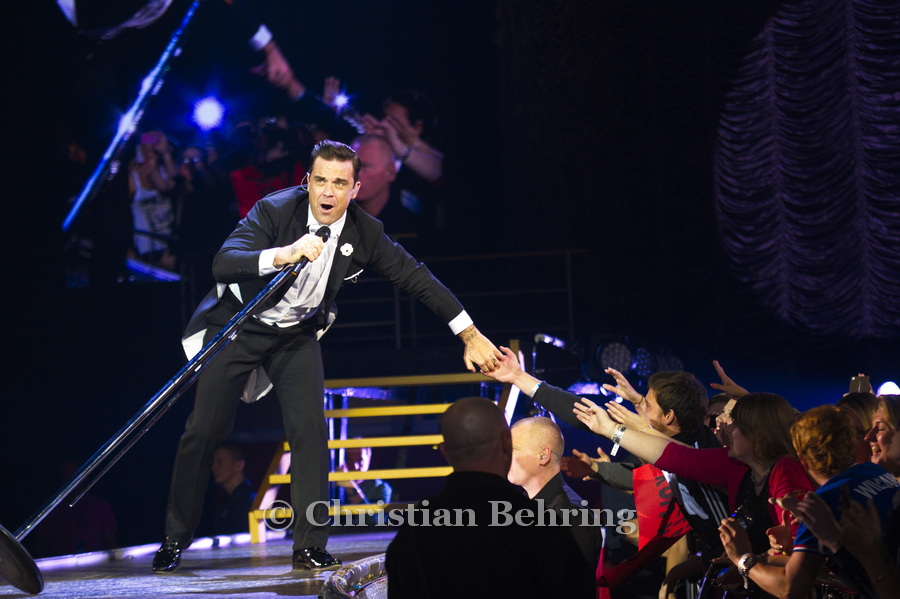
(346, 244)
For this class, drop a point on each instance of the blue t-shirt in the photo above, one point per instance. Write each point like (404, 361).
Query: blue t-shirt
(866, 481)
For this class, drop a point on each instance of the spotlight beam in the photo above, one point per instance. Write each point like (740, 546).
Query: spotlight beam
(150, 87)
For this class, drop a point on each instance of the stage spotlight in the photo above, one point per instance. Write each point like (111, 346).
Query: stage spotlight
(554, 341)
(613, 355)
(585, 386)
(644, 362)
(888, 388)
(208, 113)
(550, 360)
(668, 362)
(341, 101)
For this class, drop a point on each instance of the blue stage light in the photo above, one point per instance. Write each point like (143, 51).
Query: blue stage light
(208, 113)
(341, 100)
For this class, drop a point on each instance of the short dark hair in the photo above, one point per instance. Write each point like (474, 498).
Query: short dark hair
(682, 393)
(235, 449)
(334, 150)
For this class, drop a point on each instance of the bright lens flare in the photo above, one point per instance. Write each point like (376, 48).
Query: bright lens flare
(208, 113)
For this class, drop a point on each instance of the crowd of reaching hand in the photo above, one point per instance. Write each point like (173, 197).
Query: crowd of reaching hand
(812, 495)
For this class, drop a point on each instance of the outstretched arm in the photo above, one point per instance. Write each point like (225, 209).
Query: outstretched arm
(647, 447)
(727, 386)
(557, 401)
(508, 370)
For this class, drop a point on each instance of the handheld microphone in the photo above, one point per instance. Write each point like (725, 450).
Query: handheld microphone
(324, 233)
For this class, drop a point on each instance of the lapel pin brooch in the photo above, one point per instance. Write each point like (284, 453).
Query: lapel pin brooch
(346, 249)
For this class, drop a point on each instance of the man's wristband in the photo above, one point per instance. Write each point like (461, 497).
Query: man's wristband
(535, 388)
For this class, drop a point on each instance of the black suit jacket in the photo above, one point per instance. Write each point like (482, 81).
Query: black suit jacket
(494, 557)
(280, 219)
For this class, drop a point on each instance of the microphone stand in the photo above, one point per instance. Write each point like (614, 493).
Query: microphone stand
(16, 565)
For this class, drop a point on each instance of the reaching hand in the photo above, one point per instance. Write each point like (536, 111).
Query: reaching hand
(789, 502)
(727, 385)
(622, 415)
(594, 417)
(373, 126)
(623, 388)
(406, 133)
(276, 69)
(507, 368)
(734, 539)
(582, 465)
(331, 90)
(392, 135)
(479, 351)
(576, 467)
(861, 528)
(781, 539)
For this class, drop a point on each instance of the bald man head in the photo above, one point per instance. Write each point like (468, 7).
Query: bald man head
(537, 453)
(476, 437)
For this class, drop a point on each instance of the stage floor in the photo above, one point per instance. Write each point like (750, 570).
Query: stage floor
(237, 569)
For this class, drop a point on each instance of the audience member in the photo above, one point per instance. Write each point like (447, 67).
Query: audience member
(537, 448)
(410, 126)
(824, 440)
(858, 536)
(717, 405)
(759, 464)
(510, 558)
(362, 491)
(860, 407)
(230, 515)
(674, 407)
(377, 195)
(267, 159)
(152, 177)
(883, 437)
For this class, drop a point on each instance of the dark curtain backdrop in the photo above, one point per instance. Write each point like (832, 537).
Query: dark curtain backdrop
(732, 167)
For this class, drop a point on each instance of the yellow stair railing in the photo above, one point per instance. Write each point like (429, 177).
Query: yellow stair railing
(278, 472)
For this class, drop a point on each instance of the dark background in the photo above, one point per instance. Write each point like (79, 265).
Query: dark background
(567, 125)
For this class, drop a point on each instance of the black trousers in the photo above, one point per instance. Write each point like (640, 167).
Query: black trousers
(292, 359)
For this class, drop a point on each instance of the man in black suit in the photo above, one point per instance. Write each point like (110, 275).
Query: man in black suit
(279, 346)
(538, 447)
(481, 537)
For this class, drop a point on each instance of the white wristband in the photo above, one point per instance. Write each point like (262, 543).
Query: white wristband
(617, 436)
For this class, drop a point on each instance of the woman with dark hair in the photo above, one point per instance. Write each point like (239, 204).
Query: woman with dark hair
(760, 463)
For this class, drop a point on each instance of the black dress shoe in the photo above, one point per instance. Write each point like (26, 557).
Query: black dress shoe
(315, 559)
(168, 558)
